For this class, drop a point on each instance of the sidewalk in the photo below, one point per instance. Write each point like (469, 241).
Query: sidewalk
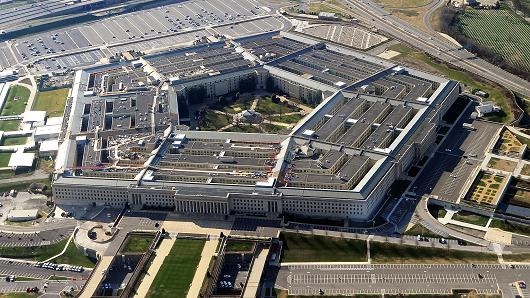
(161, 253)
(207, 254)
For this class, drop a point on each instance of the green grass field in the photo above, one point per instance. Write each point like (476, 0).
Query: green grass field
(509, 226)
(174, 278)
(267, 107)
(4, 159)
(11, 141)
(236, 245)
(137, 243)
(496, 93)
(9, 125)
(214, 121)
(52, 102)
(37, 253)
(18, 295)
(17, 99)
(294, 118)
(471, 218)
(74, 256)
(243, 128)
(309, 248)
(395, 253)
(500, 30)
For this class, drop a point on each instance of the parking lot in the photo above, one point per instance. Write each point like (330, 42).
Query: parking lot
(34, 239)
(144, 30)
(461, 152)
(348, 279)
(28, 269)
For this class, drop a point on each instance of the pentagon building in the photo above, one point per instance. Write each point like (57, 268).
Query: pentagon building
(123, 141)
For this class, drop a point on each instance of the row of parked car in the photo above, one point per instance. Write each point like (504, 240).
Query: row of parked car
(60, 267)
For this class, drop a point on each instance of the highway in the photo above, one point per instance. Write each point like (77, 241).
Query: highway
(435, 45)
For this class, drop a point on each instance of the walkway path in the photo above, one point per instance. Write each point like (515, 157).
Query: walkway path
(65, 247)
(161, 253)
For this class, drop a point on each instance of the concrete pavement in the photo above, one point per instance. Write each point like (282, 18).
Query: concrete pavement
(162, 251)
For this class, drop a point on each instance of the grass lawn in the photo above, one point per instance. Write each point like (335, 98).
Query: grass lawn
(52, 102)
(22, 186)
(17, 99)
(496, 93)
(311, 248)
(11, 141)
(437, 211)
(236, 245)
(294, 118)
(271, 128)
(4, 158)
(267, 107)
(37, 253)
(175, 275)
(9, 125)
(243, 103)
(418, 229)
(18, 295)
(522, 257)
(243, 128)
(214, 121)
(509, 226)
(395, 253)
(471, 218)
(74, 256)
(137, 243)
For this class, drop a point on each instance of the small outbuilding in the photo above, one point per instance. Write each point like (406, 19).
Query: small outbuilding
(23, 215)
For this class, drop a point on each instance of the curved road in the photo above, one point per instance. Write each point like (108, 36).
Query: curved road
(433, 224)
(427, 16)
(435, 45)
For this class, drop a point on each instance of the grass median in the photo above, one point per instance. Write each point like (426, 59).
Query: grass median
(312, 248)
(382, 253)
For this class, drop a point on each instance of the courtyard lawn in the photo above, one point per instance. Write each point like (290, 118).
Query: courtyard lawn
(471, 218)
(137, 243)
(312, 248)
(74, 256)
(17, 99)
(4, 159)
(236, 245)
(293, 118)
(267, 107)
(214, 121)
(396, 253)
(52, 102)
(12, 141)
(243, 128)
(9, 125)
(174, 278)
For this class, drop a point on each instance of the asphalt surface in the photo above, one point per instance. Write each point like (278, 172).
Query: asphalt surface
(461, 152)
(435, 45)
(28, 269)
(348, 279)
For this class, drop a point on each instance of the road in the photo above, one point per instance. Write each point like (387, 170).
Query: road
(348, 279)
(427, 16)
(434, 225)
(435, 45)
